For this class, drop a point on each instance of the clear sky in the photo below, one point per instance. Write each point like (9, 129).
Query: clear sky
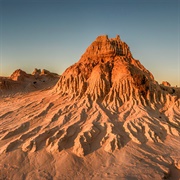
(53, 34)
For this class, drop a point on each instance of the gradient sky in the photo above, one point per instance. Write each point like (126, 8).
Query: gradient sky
(53, 34)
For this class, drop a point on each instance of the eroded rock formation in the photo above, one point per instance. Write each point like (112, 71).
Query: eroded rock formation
(107, 72)
(21, 82)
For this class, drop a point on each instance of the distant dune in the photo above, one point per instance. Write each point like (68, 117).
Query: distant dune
(105, 117)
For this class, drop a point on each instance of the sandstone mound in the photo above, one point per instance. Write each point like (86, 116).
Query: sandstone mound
(106, 118)
(108, 73)
(165, 83)
(20, 81)
(19, 75)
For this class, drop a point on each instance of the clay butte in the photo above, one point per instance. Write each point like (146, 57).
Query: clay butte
(108, 73)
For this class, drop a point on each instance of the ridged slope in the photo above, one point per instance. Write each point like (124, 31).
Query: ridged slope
(108, 73)
(109, 76)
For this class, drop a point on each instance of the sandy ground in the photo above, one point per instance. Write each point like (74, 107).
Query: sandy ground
(42, 139)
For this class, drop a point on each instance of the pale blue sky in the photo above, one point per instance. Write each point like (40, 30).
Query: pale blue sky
(53, 34)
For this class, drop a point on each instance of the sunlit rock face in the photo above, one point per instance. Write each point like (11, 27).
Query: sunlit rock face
(108, 75)
(165, 83)
(107, 72)
(105, 115)
(107, 47)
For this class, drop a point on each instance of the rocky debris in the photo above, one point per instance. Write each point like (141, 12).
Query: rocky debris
(165, 83)
(36, 72)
